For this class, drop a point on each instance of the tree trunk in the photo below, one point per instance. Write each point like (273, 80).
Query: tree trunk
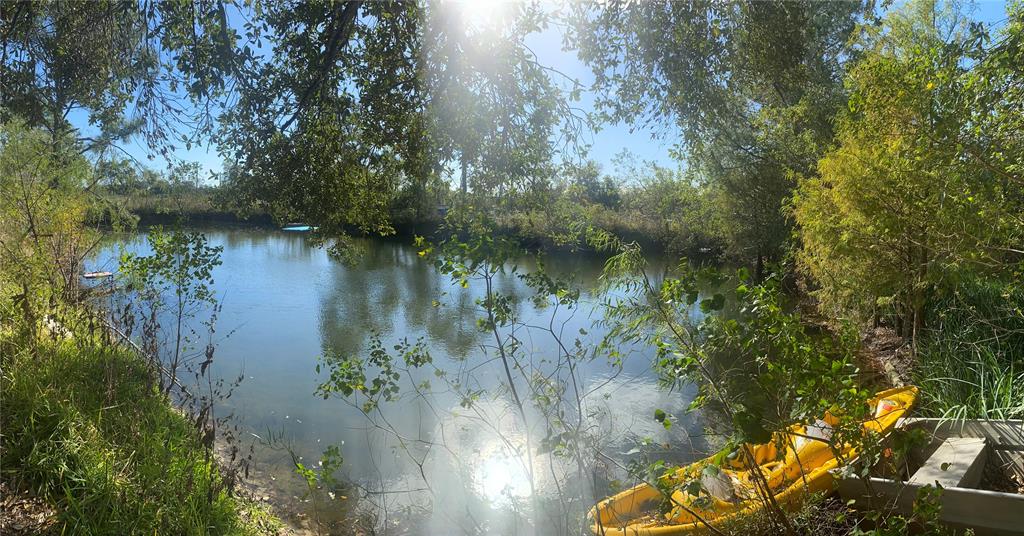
(463, 189)
(463, 186)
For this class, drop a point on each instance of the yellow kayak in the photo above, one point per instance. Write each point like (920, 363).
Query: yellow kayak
(802, 468)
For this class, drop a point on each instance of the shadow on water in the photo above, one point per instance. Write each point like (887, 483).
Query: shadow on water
(425, 463)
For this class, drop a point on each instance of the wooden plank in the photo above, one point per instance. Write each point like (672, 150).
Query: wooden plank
(987, 512)
(958, 463)
(1001, 435)
(1005, 439)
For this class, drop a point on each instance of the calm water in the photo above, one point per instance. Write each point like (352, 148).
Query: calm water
(423, 464)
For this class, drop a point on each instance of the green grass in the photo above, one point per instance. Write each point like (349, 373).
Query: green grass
(970, 383)
(84, 429)
(969, 364)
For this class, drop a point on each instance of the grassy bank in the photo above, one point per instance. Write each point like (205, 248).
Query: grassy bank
(85, 430)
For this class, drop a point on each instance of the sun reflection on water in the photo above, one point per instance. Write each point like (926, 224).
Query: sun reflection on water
(502, 479)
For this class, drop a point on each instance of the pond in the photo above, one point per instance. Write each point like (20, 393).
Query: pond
(430, 462)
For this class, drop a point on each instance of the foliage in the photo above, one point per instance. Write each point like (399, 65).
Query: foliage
(151, 196)
(84, 429)
(176, 279)
(894, 146)
(538, 383)
(100, 57)
(660, 208)
(328, 112)
(923, 519)
(899, 211)
(823, 515)
(755, 366)
(747, 355)
(124, 177)
(181, 264)
(588, 186)
(751, 85)
(683, 214)
(76, 404)
(359, 102)
(43, 238)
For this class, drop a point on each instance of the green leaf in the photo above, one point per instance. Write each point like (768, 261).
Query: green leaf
(715, 303)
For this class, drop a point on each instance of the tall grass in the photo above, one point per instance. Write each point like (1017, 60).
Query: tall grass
(85, 428)
(971, 363)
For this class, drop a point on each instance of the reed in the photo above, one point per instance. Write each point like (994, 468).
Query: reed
(969, 364)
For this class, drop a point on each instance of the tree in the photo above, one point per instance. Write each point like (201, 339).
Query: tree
(99, 57)
(185, 176)
(681, 212)
(756, 367)
(119, 176)
(349, 104)
(752, 86)
(177, 279)
(43, 238)
(358, 96)
(586, 179)
(902, 209)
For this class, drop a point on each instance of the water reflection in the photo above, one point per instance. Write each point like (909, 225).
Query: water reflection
(473, 474)
(455, 468)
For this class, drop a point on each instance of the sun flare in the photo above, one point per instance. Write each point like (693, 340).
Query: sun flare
(480, 12)
(501, 479)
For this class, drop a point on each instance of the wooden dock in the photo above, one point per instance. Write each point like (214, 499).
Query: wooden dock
(955, 460)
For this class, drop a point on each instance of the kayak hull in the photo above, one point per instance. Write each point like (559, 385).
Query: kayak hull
(629, 513)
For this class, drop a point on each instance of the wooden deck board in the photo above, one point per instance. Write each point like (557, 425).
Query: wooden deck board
(958, 463)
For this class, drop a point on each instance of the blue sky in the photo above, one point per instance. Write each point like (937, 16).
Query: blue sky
(606, 143)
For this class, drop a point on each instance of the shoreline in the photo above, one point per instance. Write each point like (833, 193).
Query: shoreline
(405, 231)
(252, 483)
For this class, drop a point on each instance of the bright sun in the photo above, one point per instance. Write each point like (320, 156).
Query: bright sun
(480, 12)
